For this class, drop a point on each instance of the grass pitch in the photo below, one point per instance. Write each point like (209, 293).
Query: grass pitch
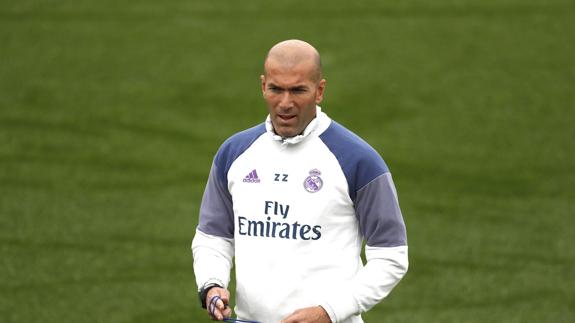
(110, 113)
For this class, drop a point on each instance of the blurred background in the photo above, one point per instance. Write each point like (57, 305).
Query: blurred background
(111, 112)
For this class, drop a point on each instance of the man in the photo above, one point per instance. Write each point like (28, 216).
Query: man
(292, 199)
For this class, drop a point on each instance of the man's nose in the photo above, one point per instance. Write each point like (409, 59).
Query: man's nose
(286, 100)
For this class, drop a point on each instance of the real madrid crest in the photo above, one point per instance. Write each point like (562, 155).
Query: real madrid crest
(313, 182)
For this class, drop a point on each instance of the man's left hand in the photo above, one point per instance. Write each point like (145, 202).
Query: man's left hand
(314, 314)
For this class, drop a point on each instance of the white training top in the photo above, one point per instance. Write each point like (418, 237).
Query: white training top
(294, 213)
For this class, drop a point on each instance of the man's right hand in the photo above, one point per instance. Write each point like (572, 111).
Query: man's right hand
(217, 301)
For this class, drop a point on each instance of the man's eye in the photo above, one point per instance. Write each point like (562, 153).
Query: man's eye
(275, 89)
(298, 91)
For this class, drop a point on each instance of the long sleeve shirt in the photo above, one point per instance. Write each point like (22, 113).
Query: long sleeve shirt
(294, 213)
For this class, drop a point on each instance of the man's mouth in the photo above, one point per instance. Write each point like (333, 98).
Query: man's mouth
(286, 117)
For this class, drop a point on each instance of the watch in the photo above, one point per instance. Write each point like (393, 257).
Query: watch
(203, 292)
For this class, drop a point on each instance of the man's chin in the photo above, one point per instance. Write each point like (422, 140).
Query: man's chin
(286, 132)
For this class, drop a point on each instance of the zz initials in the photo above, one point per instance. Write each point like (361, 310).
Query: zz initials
(281, 177)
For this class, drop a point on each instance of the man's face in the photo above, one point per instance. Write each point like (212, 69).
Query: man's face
(291, 95)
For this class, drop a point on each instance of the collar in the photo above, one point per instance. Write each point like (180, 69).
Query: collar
(312, 127)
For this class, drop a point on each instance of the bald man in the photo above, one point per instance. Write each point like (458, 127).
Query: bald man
(292, 199)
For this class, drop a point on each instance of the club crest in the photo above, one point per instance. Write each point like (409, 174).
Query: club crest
(313, 182)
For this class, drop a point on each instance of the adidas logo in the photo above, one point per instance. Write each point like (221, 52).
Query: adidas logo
(252, 177)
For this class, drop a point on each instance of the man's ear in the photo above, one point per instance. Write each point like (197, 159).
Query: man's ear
(263, 79)
(320, 91)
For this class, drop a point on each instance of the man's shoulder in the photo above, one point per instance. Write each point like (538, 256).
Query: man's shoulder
(245, 137)
(344, 142)
(359, 161)
(237, 144)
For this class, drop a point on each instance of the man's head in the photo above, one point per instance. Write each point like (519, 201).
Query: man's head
(292, 85)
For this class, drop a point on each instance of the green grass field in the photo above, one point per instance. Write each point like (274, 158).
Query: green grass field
(110, 113)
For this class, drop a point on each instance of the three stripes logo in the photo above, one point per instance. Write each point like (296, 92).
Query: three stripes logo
(252, 177)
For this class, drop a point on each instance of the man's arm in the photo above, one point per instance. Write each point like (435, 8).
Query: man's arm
(212, 259)
(213, 245)
(381, 224)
